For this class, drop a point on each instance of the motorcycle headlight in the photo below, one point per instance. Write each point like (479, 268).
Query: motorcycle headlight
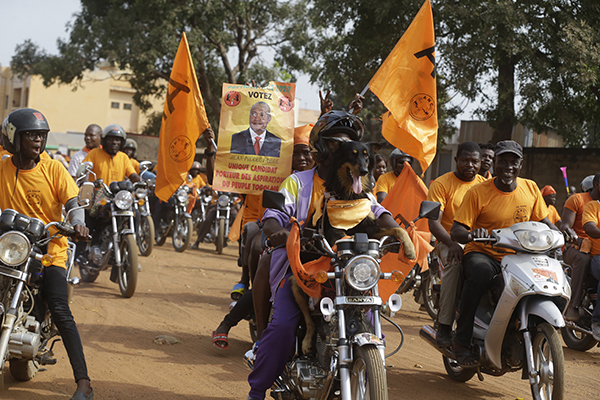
(182, 195)
(223, 200)
(14, 248)
(535, 240)
(141, 193)
(123, 199)
(362, 272)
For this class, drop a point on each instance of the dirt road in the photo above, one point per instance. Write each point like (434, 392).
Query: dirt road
(186, 295)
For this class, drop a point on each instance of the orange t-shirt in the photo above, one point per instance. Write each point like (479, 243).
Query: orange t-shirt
(135, 164)
(591, 213)
(449, 191)
(109, 169)
(576, 203)
(553, 214)
(40, 193)
(254, 209)
(385, 183)
(484, 206)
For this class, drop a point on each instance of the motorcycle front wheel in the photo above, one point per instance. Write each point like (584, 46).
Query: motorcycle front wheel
(367, 376)
(128, 272)
(22, 370)
(221, 236)
(577, 340)
(146, 236)
(549, 363)
(182, 234)
(87, 275)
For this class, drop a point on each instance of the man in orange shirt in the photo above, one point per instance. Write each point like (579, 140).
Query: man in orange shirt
(549, 195)
(39, 187)
(386, 181)
(130, 148)
(487, 159)
(494, 204)
(579, 261)
(449, 190)
(110, 164)
(591, 220)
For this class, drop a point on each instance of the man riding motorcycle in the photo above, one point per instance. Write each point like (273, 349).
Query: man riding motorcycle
(39, 187)
(591, 220)
(494, 204)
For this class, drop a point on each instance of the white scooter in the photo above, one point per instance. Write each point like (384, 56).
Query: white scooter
(515, 324)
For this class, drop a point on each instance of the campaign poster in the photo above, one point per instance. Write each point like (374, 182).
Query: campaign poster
(256, 137)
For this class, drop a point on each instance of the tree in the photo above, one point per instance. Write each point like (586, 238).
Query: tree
(542, 52)
(143, 36)
(345, 45)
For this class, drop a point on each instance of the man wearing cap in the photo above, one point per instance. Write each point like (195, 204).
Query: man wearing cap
(577, 254)
(386, 182)
(494, 204)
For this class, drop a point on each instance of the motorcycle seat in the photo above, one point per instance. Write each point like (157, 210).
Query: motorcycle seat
(122, 185)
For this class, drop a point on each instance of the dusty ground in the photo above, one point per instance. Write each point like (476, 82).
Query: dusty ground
(186, 295)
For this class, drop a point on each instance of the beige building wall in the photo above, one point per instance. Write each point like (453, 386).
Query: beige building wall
(103, 97)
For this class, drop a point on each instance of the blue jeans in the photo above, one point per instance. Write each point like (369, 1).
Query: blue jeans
(595, 270)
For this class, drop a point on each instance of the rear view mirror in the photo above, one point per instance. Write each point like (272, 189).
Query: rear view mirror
(145, 165)
(275, 200)
(189, 178)
(84, 168)
(86, 194)
(429, 209)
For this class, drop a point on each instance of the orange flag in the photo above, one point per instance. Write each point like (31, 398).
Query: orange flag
(405, 84)
(184, 119)
(404, 202)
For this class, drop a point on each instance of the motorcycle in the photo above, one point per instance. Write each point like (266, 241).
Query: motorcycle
(114, 239)
(578, 335)
(175, 220)
(515, 325)
(145, 224)
(349, 361)
(200, 207)
(221, 225)
(27, 327)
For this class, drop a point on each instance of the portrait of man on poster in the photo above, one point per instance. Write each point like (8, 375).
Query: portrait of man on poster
(257, 140)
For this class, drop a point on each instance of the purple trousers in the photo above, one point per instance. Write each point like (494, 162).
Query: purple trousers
(277, 341)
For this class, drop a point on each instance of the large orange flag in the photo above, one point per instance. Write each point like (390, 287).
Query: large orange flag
(405, 84)
(184, 119)
(404, 202)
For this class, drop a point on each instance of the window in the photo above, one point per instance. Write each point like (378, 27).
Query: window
(126, 106)
(114, 104)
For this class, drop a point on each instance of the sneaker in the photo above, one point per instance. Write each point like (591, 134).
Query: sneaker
(596, 330)
(572, 314)
(444, 336)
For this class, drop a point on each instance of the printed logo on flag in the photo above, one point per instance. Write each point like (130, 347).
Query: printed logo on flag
(181, 149)
(285, 104)
(422, 107)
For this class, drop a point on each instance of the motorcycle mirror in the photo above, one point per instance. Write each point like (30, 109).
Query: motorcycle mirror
(429, 209)
(275, 200)
(84, 168)
(145, 165)
(189, 178)
(86, 193)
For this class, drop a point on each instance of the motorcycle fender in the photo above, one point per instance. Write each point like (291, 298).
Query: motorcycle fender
(363, 339)
(127, 232)
(543, 308)
(187, 215)
(144, 214)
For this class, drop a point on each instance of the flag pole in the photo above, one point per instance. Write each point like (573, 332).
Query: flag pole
(362, 94)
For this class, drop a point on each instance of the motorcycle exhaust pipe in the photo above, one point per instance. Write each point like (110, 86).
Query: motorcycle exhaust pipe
(429, 334)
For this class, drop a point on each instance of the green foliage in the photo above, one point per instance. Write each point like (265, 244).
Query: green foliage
(152, 127)
(143, 37)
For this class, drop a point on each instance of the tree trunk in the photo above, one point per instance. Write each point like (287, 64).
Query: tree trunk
(505, 112)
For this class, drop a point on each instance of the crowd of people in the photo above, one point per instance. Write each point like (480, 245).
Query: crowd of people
(483, 192)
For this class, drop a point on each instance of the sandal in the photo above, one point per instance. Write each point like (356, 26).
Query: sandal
(464, 357)
(238, 291)
(220, 341)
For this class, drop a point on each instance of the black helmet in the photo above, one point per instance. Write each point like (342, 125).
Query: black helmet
(131, 144)
(114, 130)
(22, 120)
(331, 123)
